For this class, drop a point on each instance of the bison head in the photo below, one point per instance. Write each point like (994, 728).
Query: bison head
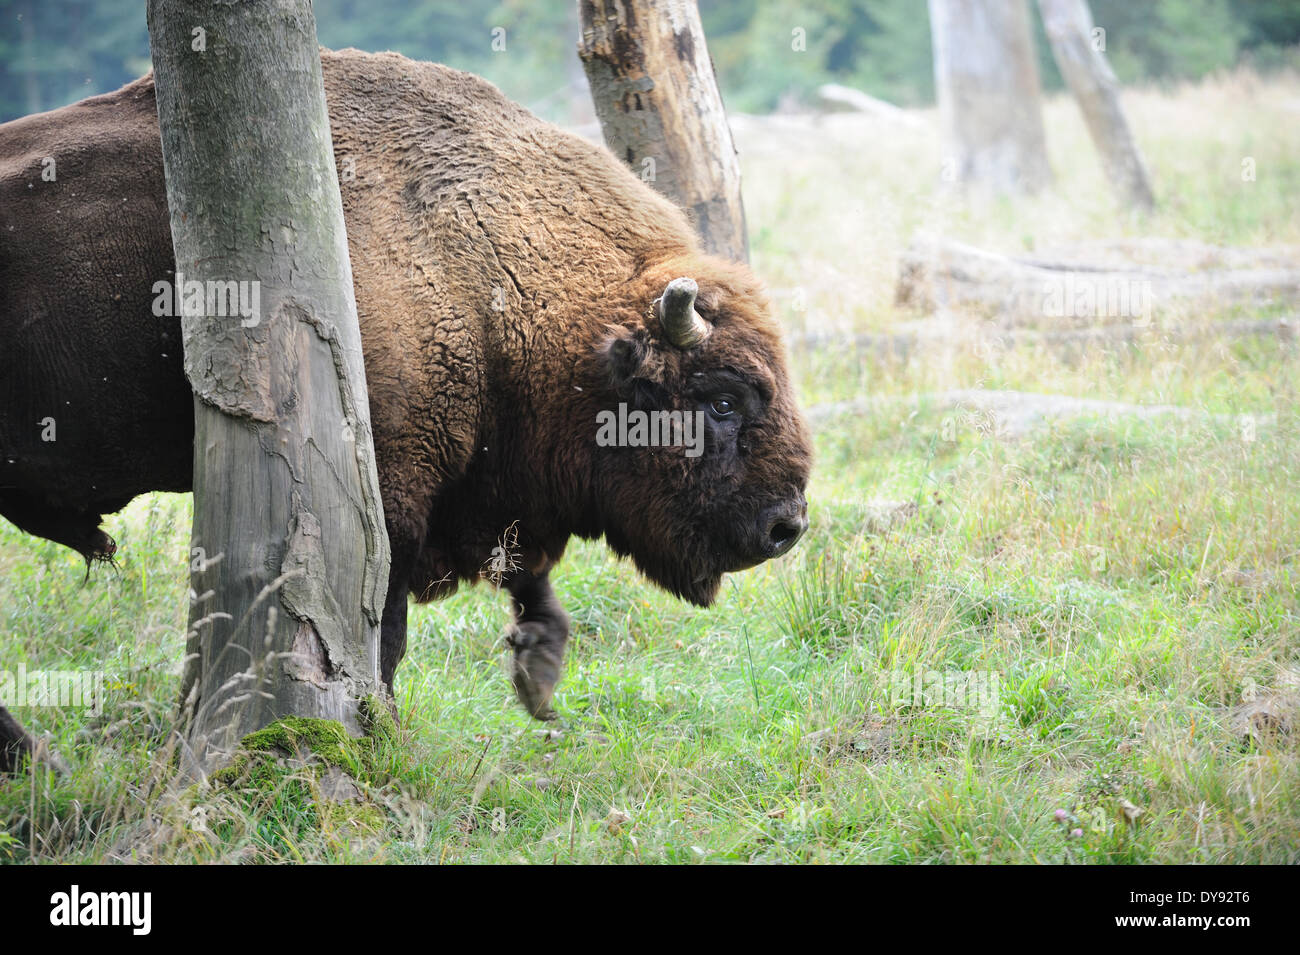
(704, 364)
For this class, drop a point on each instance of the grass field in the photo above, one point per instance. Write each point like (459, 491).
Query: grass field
(1121, 585)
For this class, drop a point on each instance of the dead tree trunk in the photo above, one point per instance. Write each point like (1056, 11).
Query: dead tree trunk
(1080, 58)
(289, 551)
(31, 84)
(986, 79)
(657, 99)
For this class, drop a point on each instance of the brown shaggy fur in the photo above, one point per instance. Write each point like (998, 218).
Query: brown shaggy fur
(504, 275)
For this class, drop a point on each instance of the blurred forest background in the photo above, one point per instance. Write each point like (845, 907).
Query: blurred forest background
(54, 52)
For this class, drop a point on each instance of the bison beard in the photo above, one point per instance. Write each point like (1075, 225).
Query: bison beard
(512, 281)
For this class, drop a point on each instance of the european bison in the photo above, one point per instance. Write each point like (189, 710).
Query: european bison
(513, 282)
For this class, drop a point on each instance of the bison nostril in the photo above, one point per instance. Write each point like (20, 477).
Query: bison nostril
(775, 531)
(783, 534)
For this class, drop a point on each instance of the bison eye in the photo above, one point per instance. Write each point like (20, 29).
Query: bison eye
(722, 407)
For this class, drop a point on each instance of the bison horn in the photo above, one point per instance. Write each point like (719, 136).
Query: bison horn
(682, 324)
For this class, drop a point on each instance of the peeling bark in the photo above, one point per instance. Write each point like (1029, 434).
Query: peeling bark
(290, 553)
(656, 95)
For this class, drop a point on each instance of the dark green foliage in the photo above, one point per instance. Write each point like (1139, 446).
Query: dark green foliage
(54, 52)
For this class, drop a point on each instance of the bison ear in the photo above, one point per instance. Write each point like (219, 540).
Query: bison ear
(635, 368)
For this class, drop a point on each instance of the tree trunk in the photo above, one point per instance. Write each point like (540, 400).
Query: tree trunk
(986, 79)
(31, 84)
(657, 99)
(289, 553)
(1069, 30)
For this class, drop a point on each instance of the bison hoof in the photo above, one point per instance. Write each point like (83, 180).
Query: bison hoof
(539, 656)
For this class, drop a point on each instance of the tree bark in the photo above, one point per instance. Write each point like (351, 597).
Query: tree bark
(1069, 28)
(289, 552)
(31, 83)
(657, 99)
(986, 79)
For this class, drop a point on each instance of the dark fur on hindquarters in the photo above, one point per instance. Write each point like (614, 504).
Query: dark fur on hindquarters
(15, 742)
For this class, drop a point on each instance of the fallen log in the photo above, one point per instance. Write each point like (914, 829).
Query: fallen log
(833, 97)
(1092, 285)
(932, 334)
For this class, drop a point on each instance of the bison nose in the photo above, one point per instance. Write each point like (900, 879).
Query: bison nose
(782, 526)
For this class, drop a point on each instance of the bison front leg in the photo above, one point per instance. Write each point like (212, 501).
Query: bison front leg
(538, 636)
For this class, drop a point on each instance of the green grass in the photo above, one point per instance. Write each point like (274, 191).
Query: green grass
(1127, 581)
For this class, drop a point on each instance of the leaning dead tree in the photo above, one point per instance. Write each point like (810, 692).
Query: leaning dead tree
(1078, 50)
(289, 552)
(986, 80)
(657, 99)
